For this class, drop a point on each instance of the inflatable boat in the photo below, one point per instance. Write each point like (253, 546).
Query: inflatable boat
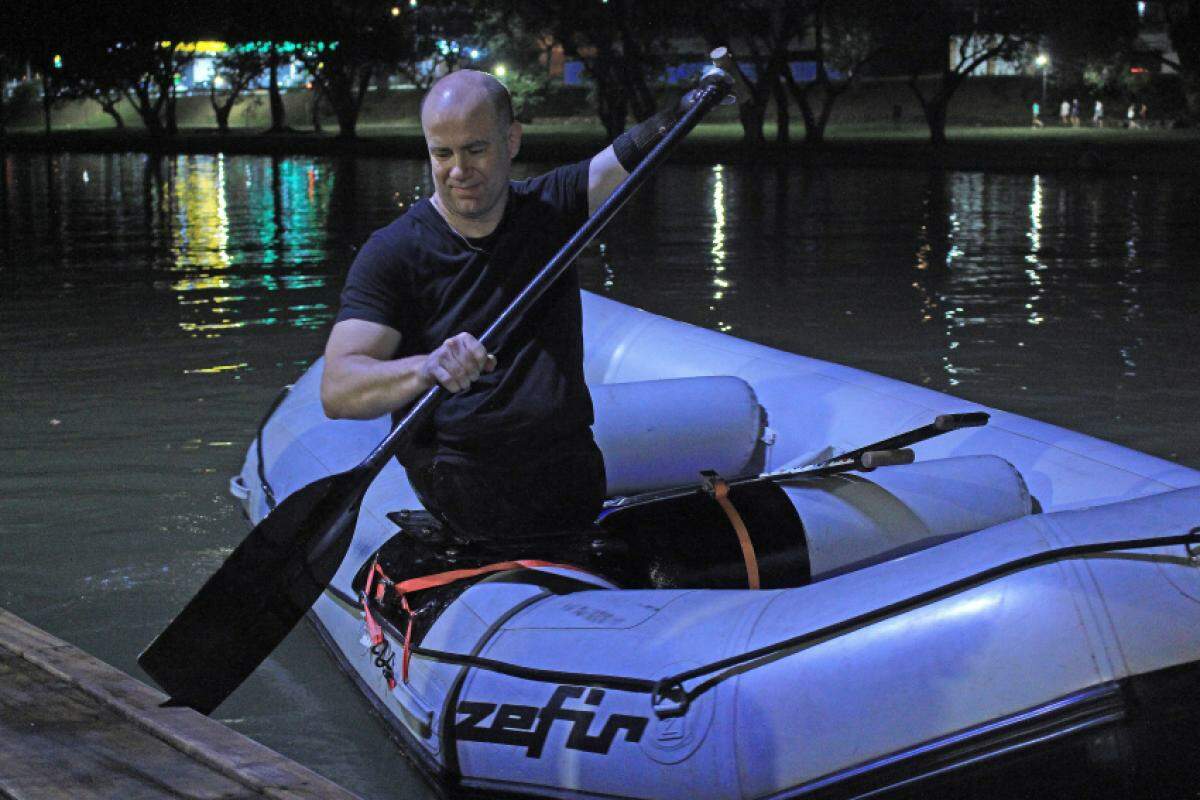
(992, 602)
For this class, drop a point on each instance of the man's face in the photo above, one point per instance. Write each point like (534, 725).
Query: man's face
(471, 156)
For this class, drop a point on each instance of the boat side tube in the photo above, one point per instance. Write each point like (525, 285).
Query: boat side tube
(851, 519)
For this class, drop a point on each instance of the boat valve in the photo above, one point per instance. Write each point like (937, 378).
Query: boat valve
(669, 699)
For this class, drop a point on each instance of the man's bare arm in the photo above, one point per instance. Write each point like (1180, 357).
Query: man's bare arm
(605, 174)
(362, 381)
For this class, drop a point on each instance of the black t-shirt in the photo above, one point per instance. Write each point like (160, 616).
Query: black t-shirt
(421, 278)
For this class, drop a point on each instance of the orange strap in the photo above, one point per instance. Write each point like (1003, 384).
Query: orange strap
(407, 587)
(454, 575)
(720, 492)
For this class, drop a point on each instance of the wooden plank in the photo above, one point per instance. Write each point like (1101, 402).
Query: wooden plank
(72, 726)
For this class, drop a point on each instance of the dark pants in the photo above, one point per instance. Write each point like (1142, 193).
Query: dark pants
(555, 488)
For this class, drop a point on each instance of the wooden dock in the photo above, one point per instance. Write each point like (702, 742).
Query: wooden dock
(71, 726)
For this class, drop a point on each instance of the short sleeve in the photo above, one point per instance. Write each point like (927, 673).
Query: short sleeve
(377, 288)
(565, 188)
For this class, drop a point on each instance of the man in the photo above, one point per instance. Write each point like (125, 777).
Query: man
(511, 452)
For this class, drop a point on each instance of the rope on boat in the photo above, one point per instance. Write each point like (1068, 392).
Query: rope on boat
(268, 492)
(670, 697)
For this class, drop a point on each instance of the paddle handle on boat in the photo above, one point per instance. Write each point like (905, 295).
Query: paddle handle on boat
(943, 423)
(887, 458)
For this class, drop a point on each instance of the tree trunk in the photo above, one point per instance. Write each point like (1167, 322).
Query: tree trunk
(316, 109)
(110, 108)
(612, 104)
(47, 103)
(935, 115)
(934, 108)
(3, 107)
(278, 112)
(341, 97)
(612, 112)
(172, 124)
(751, 116)
(783, 118)
(347, 119)
(223, 113)
(1191, 97)
(814, 131)
(139, 98)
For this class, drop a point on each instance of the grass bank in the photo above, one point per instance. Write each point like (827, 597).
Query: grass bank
(994, 148)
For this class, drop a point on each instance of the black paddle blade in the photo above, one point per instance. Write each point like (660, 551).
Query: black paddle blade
(258, 595)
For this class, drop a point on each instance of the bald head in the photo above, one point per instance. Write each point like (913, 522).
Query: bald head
(468, 88)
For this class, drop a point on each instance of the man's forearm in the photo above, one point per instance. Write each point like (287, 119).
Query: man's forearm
(361, 387)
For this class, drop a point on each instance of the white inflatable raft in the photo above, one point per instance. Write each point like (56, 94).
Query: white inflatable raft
(1020, 595)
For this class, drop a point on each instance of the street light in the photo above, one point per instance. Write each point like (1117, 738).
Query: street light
(1043, 61)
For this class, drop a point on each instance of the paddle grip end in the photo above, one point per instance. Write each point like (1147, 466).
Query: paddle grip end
(723, 60)
(887, 458)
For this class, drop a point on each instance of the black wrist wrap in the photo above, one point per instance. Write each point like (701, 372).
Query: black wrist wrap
(634, 144)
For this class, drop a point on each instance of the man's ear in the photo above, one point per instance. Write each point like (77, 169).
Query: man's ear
(514, 139)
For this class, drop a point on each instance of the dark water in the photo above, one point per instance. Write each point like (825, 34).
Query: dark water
(151, 309)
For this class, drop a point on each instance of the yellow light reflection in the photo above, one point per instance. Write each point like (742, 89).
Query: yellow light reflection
(202, 232)
(217, 369)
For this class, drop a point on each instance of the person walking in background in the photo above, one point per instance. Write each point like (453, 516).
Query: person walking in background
(1098, 114)
(1144, 114)
(1075, 113)
(1037, 114)
(1064, 112)
(1131, 116)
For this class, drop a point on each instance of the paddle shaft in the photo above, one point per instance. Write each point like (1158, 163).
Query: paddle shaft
(270, 580)
(421, 410)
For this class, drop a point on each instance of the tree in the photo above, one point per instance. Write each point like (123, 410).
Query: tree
(621, 43)
(1183, 26)
(437, 31)
(1090, 43)
(347, 44)
(842, 48)
(764, 31)
(526, 59)
(235, 70)
(25, 31)
(91, 73)
(951, 39)
(146, 68)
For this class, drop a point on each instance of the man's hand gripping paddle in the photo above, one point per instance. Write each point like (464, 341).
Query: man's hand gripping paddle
(274, 576)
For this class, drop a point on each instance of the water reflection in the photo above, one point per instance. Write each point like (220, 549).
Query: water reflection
(717, 251)
(1033, 259)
